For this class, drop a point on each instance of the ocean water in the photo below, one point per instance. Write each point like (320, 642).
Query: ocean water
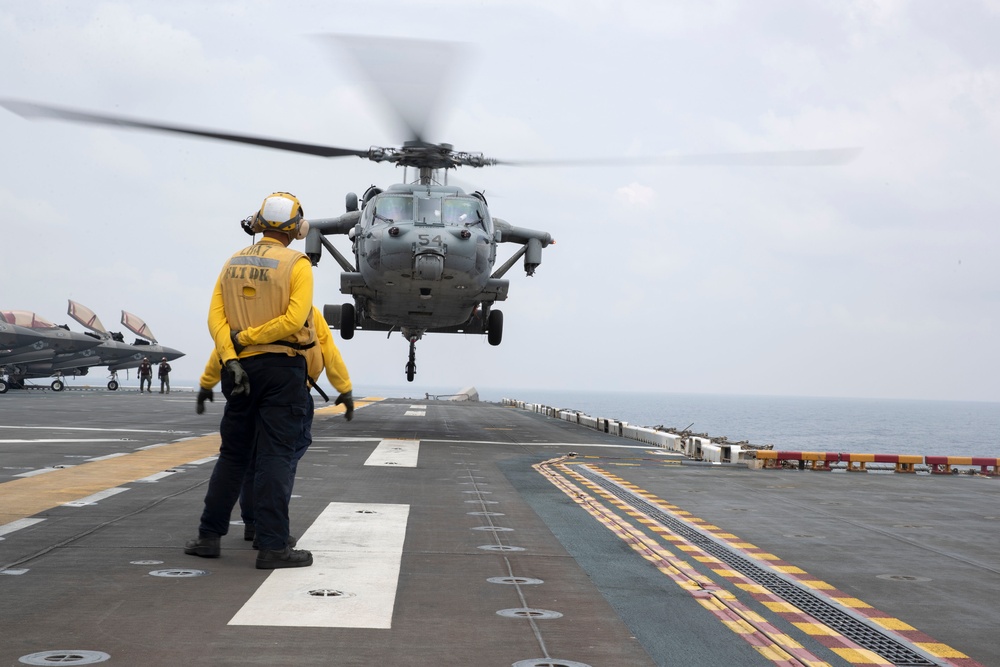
(876, 426)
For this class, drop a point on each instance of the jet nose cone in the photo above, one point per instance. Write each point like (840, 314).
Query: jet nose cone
(171, 354)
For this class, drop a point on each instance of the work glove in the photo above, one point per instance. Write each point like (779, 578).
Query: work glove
(347, 400)
(204, 395)
(241, 381)
(236, 344)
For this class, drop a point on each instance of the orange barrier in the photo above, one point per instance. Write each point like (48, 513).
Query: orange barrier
(903, 462)
(816, 460)
(985, 464)
(942, 465)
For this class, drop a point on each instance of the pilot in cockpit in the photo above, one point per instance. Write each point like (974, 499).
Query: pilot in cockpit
(394, 208)
(460, 212)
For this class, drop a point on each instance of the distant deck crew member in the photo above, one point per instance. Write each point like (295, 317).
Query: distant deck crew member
(145, 375)
(164, 375)
(259, 319)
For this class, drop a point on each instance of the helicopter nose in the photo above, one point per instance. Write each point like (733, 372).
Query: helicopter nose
(428, 266)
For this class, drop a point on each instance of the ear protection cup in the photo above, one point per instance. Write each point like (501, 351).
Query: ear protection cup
(303, 230)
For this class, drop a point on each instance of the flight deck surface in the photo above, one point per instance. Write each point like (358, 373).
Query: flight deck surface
(476, 534)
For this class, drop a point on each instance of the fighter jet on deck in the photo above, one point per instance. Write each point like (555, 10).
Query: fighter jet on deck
(61, 352)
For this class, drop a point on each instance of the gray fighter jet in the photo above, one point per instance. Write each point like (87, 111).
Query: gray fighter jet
(60, 352)
(31, 345)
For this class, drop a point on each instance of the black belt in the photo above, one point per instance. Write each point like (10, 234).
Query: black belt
(294, 346)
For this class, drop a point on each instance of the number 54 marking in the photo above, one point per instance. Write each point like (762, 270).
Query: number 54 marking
(425, 239)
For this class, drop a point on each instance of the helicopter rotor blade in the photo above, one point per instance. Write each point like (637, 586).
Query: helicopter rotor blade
(397, 69)
(32, 110)
(798, 158)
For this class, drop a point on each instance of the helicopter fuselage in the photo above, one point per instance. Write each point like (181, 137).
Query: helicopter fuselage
(424, 256)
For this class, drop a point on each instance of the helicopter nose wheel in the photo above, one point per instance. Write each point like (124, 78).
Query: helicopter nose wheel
(411, 364)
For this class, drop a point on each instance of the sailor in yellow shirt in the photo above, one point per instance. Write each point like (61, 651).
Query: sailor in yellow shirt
(259, 318)
(323, 357)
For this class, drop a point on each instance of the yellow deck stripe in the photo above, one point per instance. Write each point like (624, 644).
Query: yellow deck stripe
(25, 497)
(339, 409)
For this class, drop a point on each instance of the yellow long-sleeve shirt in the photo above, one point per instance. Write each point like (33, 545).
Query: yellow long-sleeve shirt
(333, 362)
(299, 304)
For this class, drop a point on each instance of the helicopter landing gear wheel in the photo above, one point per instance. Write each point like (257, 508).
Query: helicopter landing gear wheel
(494, 327)
(347, 321)
(113, 385)
(57, 385)
(411, 365)
(331, 313)
(4, 386)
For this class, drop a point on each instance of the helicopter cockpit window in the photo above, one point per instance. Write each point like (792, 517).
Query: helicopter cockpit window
(461, 212)
(394, 208)
(428, 209)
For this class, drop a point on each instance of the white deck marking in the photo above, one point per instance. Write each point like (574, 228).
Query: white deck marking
(414, 413)
(346, 439)
(109, 456)
(92, 428)
(205, 460)
(40, 471)
(39, 440)
(357, 549)
(95, 498)
(18, 525)
(156, 477)
(398, 453)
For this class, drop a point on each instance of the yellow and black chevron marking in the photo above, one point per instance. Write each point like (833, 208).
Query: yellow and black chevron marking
(649, 539)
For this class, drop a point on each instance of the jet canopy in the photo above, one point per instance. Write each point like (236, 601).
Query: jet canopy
(26, 318)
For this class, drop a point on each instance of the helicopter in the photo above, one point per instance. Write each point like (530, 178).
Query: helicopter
(424, 251)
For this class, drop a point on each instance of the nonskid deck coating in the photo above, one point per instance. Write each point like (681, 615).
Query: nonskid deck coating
(922, 551)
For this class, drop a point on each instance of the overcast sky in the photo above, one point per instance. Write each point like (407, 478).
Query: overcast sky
(879, 278)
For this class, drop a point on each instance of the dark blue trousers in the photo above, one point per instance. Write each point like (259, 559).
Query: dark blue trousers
(247, 510)
(264, 427)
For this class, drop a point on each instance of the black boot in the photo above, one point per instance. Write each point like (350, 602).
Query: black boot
(204, 546)
(287, 557)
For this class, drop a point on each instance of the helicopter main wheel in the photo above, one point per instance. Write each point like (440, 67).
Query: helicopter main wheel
(4, 386)
(347, 321)
(113, 385)
(57, 385)
(494, 327)
(331, 313)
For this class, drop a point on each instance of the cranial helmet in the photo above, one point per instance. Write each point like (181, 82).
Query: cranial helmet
(281, 212)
